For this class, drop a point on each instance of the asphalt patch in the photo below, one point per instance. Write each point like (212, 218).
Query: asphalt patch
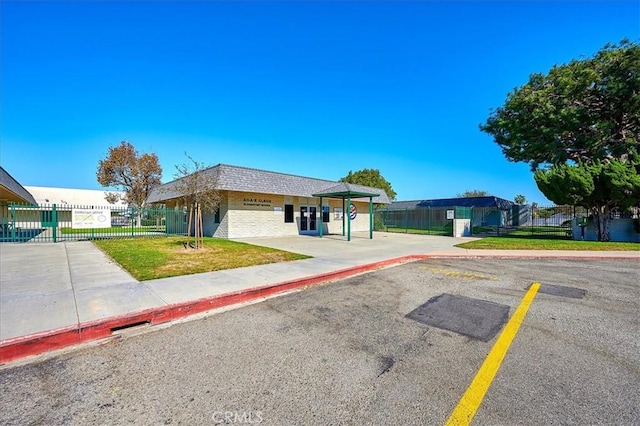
(475, 318)
(559, 290)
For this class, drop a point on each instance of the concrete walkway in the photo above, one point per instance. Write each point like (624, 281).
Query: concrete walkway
(48, 287)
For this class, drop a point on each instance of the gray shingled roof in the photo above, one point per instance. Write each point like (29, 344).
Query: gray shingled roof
(244, 179)
(10, 184)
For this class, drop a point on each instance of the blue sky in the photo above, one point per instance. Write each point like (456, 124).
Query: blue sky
(304, 87)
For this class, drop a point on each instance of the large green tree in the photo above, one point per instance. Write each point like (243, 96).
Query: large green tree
(372, 178)
(135, 174)
(578, 126)
(581, 111)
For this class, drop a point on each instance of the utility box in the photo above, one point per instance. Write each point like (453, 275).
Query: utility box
(461, 227)
(461, 221)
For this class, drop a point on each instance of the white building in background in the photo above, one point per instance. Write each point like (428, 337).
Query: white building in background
(72, 197)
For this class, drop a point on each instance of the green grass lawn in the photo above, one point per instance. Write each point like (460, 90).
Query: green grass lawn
(527, 231)
(536, 243)
(541, 231)
(150, 258)
(483, 229)
(440, 231)
(114, 231)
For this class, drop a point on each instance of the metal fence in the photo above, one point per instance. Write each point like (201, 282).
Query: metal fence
(528, 221)
(56, 223)
(517, 220)
(425, 220)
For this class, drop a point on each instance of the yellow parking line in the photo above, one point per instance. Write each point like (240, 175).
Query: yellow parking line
(472, 398)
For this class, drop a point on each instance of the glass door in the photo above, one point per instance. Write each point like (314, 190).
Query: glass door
(312, 218)
(304, 218)
(308, 219)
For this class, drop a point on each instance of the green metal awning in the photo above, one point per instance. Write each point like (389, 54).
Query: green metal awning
(345, 191)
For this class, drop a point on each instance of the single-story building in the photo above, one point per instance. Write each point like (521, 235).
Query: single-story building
(260, 203)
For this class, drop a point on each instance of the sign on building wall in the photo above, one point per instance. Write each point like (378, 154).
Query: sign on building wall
(257, 203)
(337, 212)
(90, 218)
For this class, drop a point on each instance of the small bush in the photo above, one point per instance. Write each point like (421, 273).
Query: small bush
(378, 224)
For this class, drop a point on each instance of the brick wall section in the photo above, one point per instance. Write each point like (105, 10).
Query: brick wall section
(246, 214)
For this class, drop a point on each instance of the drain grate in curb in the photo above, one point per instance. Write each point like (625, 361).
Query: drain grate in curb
(475, 318)
(559, 290)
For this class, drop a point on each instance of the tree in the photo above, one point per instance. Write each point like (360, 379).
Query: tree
(197, 185)
(135, 174)
(600, 187)
(372, 178)
(520, 199)
(470, 193)
(582, 111)
(578, 126)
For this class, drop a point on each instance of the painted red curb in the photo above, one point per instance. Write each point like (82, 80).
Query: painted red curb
(38, 343)
(527, 257)
(34, 344)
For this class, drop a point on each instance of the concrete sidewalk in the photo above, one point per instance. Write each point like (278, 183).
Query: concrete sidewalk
(72, 289)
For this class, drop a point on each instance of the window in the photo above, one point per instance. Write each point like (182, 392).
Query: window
(216, 219)
(46, 216)
(325, 214)
(288, 213)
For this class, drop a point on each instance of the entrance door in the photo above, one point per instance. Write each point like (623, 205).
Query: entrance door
(308, 218)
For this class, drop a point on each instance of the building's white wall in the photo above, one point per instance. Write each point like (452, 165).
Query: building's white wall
(253, 215)
(620, 230)
(72, 196)
(262, 215)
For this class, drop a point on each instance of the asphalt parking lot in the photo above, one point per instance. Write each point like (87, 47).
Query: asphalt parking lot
(347, 353)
